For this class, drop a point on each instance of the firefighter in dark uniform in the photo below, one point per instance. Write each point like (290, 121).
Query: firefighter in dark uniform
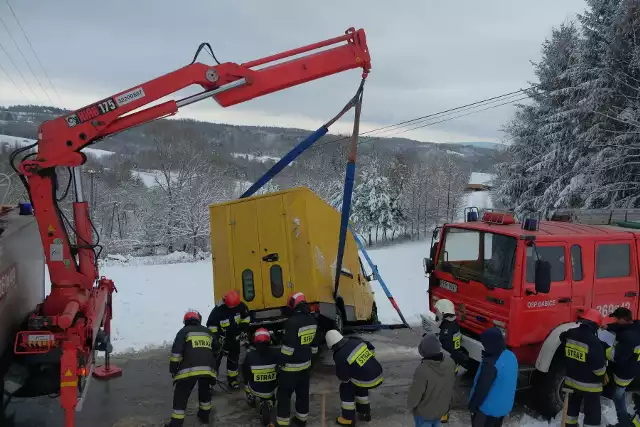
(299, 344)
(192, 361)
(585, 364)
(261, 376)
(449, 336)
(624, 356)
(227, 321)
(359, 371)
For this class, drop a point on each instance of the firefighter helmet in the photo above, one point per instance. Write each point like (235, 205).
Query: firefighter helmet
(231, 299)
(444, 306)
(592, 315)
(333, 337)
(192, 315)
(261, 336)
(296, 299)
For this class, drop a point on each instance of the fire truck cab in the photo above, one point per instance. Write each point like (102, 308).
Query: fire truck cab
(532, 279)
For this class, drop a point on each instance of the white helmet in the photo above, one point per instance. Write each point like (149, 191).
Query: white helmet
(333, 337)
(444, 306)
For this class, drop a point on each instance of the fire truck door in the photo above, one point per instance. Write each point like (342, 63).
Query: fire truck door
(546, 311)
(615, 276)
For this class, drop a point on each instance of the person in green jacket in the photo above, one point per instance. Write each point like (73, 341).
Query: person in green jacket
(433, 383)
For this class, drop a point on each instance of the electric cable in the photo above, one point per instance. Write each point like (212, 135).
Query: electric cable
(13, 81)
(24, 33)
(431, 115)
(18, 69)
(25, 59)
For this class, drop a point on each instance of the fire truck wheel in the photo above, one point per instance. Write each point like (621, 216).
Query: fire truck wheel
(548, 390)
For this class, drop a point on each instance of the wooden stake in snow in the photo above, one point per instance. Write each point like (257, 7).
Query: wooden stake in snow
(565, 406)
(324, 405)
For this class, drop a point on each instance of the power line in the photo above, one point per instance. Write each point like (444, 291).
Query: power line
(441, 121)
(12, 81)
(25, 59)
(421, 118)
(24, 33)
(404, 123)
(18, 69)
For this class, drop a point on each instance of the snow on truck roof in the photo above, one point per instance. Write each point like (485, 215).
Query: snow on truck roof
(550, 230)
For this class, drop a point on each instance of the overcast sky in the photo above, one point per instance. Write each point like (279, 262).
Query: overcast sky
(427, 55)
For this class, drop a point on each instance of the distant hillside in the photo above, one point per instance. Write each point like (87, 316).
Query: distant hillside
(483, 144)
(246, 143)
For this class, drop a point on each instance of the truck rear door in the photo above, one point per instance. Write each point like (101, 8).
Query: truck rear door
(246, 254)
(615, 276)
(274, 256)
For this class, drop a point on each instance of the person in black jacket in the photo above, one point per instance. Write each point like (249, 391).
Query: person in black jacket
(359, 371)
(624, 355)
(299, 343)
(192, 359)
(227, 322)
(585, 365)
(261, 376)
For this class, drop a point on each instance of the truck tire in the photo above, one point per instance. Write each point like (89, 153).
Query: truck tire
(547, 390)
(373, 320)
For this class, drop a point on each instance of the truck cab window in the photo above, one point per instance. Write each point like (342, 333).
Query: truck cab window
(477, 255)
(613, 260)
(277, 284)
(576, 262)
(248, 288)
(553, 254)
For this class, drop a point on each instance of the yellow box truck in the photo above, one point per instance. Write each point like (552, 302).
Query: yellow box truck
(270, 246)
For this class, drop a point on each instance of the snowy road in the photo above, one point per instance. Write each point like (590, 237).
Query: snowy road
(142, 397)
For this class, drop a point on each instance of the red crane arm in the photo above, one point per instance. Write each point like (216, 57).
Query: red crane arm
(79, 304)
(61, 140)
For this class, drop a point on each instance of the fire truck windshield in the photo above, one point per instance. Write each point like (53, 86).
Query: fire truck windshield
(477, 255)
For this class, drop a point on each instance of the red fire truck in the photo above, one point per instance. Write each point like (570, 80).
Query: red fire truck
(532, 279)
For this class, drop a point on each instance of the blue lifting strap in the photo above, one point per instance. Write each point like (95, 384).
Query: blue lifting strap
(284, 162)
(348, 188)
(297, 150)
(377, 276)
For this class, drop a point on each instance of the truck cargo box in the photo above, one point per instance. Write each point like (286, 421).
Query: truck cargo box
(21, 272)
(269, 246)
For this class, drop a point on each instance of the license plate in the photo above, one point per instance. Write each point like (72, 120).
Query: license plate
(449, 286)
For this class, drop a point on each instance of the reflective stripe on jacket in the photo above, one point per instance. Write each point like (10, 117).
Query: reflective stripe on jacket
(193, 353)
(355, 361)
(300, 340)
(584, 359)
(624, 353)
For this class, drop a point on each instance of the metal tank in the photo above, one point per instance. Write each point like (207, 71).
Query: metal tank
(22, 271)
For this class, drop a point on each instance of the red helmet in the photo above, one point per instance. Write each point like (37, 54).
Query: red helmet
(261, 336)
(592, 315)
(192, 315)
(231, 299)
(296, 299)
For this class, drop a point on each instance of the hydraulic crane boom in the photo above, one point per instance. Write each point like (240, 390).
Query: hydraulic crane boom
(77, 312)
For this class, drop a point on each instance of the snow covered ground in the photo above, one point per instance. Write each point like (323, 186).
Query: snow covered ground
(15, 140)
(152, 298)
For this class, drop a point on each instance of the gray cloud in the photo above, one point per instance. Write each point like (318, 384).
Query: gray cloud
(427, 55)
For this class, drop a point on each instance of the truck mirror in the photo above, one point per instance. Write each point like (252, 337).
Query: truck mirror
(543, 276)
(432, 253)
(428, 265)
(435, 233)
